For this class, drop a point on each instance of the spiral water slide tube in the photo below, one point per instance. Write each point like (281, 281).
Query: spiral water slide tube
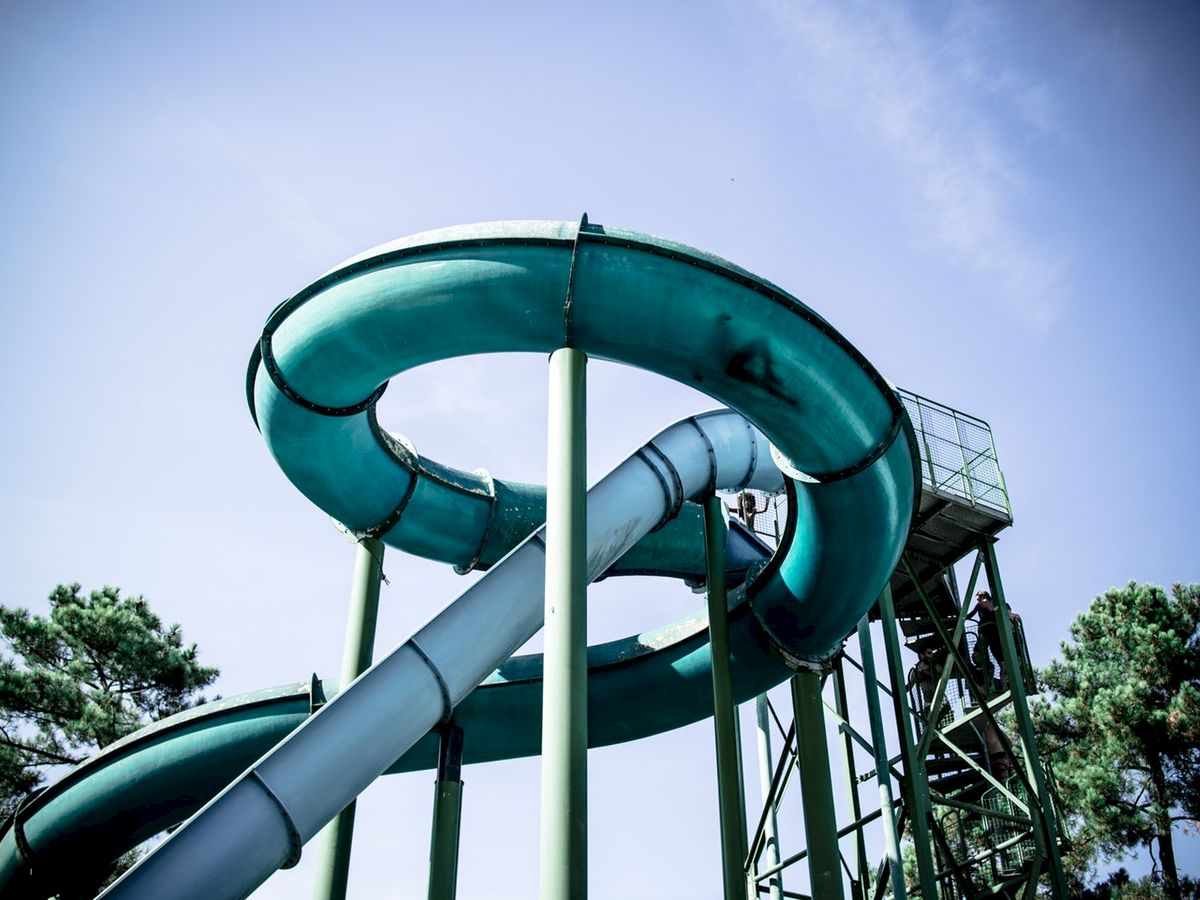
(836, 429)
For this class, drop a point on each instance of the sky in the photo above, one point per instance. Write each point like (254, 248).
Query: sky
(997, 204)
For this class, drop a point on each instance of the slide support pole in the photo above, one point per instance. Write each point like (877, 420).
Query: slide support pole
(1016, 684)
(563, 874)
(816, 789)
(729, 776)
(336, 838)
(860, 881)
(766, 765)
(883, 772)
(916, 784)
(447, 816)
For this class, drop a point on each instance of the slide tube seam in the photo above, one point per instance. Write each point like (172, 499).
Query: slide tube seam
(272, 367)
(487, 527)
(378, 531)
(447, 703)
(711, 487)
(753, 457)
(293, 832)
(24, 811)
(867, 461)
(406, 456)
(569, 300)
(405, 452)
(662, 482)
(673, 492)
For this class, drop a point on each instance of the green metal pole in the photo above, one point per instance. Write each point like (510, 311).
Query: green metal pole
(816, 789)
(564, 692)
(883, 772)
(1016, 684)
(863, 875)
(447, 817)
(770, 825)
(729, 780)
(334, 862)
(916, 785)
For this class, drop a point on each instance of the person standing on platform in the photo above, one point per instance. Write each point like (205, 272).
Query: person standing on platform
(987, 642)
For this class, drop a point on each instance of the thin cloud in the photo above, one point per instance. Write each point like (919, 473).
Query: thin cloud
(950, 115)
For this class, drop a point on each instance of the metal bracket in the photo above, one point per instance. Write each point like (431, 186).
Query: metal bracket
(316, 694)
(569, 300)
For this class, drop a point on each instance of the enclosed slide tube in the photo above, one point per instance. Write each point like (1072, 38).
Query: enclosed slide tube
(260, 822)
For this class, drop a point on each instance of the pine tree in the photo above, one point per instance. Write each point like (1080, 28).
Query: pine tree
(97, 668)
(1122, 727)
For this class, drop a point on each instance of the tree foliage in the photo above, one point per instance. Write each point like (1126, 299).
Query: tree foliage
(97, 668)
(1122, 726)
(1120, 886)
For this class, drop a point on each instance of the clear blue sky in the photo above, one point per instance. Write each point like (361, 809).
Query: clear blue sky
(998, 204)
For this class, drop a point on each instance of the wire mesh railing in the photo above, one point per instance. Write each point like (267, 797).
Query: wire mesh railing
(958, 461)
(958, 455)
(981, 650)
(764, 514)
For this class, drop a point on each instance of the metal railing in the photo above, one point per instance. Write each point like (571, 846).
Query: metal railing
(958, 461)
(985, 670)
(764, 514)
(958, 455)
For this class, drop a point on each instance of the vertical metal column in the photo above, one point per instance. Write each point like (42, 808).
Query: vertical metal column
(447, 816)
(862, 876)
(916, 785)
(883, 772)
(766, 765)
(729, 776)
(1016, 684)
(333, 868)
(816, 790)
(563, 874)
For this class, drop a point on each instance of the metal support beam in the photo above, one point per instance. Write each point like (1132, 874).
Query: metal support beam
(846, 740)
(933, 714)
(563, 874)
(779, 780)
(816, 791)
(916, 785)
(956, 659)
(1016, 684)
(447, 816)
(891, 834)
(803, 854)
(729, 780)
(765, 768)
(333, 866)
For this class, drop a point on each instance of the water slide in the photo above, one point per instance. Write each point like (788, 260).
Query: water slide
(280, 763)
